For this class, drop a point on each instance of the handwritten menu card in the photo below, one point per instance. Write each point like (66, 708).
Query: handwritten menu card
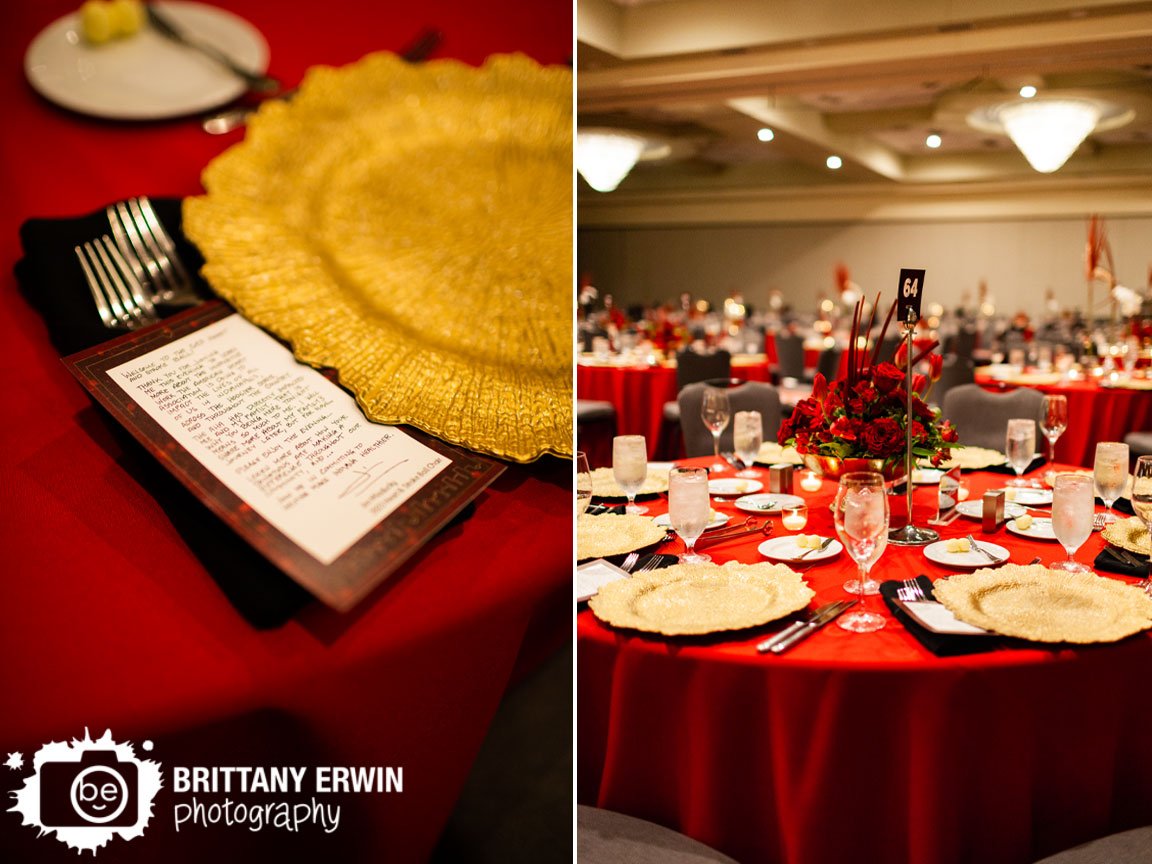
(284, 455)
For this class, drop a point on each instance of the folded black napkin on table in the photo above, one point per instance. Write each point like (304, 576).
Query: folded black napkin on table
(1111, 563)
(940, 644)
(51, 280)
(1038, 462)
(1120, 505)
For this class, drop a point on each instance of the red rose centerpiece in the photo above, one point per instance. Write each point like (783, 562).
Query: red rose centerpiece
(859, 422)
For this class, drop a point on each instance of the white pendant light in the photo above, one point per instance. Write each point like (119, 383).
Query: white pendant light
(605, 156)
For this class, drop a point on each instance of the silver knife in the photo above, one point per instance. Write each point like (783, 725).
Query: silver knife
(823, 613)
(1125, 556)
(170, 30)
(811, 627)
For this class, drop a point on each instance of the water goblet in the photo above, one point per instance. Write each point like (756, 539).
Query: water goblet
(1021, 446)
(630, 468)
(583, 483)
(715, 411)
(1072, 507)
(747, 436)
(689, 509)
(1110, 472)
(1054, 422)
(861, 515)
(1142, 505)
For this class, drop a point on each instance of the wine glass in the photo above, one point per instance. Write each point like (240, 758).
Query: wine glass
(747, 436)
(630, 468)
(715, 411)
(583, 483)
(1055, 422)
(1072, 507)
(1142, 506)
(861, 514)
(689, 509)
(1021, 446)
(1110, 471)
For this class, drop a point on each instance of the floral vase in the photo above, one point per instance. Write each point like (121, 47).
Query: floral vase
(832, 467)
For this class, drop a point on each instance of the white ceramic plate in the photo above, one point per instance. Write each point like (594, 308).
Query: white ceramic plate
(734, 486)
(1031, 497)
(926, 476)
(769, 502)
(1040, 529)
(786, 550)
(591, 576)
(718, 519)
(144, 76)
(975, 509)
(938, 553)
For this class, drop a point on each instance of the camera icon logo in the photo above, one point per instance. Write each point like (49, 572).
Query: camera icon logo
(100, 789)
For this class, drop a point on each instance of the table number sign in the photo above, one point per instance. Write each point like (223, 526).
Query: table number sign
(279, 451)
(908, 296)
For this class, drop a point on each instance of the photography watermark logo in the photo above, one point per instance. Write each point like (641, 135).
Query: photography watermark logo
(87, 792)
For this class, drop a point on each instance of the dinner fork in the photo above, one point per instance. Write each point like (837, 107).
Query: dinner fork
(650, 564)
(909, 591)
(630, 562)
(120, 298)
(150, 251)
(1099, 520)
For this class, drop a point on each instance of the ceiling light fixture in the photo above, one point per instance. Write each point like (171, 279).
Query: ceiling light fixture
(1027, 91)
(605, 156)
(765, 134)
(1049, 129)
(834, 162)
(933, 140)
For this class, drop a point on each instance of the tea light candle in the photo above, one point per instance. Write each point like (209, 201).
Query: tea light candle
(810, 482)
(794, 518)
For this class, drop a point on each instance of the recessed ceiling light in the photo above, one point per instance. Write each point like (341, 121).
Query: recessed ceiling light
(932, 141)
(765, 134)
(834, 162)
(1027, 91)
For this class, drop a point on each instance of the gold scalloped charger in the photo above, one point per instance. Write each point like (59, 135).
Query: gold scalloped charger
(973, 458)
(1130, 534)
(771, 453)
(615, 534)
(604, 483)
(410, 226)
(695, 599)
(1041, 605)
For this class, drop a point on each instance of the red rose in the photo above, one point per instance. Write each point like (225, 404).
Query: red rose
(847, 428)
(887, 377)
(948, 433)
(935, 366)
(883, 437)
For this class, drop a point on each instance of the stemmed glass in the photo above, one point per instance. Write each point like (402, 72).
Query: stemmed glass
(861, 514)
(583, 483)
(1110, 471)
(715, 411)
(1072, 507)
(1021, 446)
(630, 468)
(1142, 506)
(689, 509)
(1054, 423)
(747, 436)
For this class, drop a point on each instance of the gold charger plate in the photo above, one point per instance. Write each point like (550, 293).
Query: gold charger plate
(1032, 602)
(771, 453)
(694, 599)
(604, 483)
(410, 225)
(973, 458)
(1130, 534)
(612, 534)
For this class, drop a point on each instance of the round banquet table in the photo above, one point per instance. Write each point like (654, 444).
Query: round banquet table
(866, 747)
(114, 621)
(1095, 413)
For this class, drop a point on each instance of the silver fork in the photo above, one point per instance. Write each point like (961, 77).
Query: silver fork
(630, 562)
(909, 591)
(121, 300)
(1098, 521)
(650, 564)
(150, 251)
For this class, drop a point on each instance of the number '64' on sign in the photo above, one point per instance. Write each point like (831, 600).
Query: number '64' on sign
(909, 294)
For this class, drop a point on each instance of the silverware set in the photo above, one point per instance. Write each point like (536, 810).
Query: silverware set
(801, 630)
(910, 591)
(630, 562)
(134, 267)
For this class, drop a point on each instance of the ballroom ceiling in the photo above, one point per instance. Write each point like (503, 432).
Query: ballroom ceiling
(866, 82)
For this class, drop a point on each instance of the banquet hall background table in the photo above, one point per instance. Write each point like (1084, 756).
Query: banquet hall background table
(114, 620)
(866, 747)
(1095, 413)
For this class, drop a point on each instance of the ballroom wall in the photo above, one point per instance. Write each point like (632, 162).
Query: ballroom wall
(1020, 259)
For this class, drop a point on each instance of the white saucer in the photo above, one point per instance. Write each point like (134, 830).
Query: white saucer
(786, 550)
(975, 509)
(718, 519)
(1040, 529)
(144, 76)
(938, 553)
(727, 486)
(769, 502)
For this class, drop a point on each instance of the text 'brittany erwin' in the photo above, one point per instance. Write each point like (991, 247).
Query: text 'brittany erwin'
(326, 779)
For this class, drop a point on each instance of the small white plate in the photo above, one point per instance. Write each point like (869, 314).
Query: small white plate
(144, 76)
(769, 502)
(975, 509)
(926, 476)
(1040, 529)
(660, 467)
(938, 554)
(1030, 497)
(786, 550)
(728, 486)
(591, 576)
(718, 519)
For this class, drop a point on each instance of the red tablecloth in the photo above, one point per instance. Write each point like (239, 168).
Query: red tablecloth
(639, 393)
(110, 621)
(1095, 414)
(866, 747)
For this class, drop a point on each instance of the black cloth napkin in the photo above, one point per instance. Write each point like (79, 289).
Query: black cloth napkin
(1108, 561)
(1120, 505)
(51, 280)
(601, 509)
(940, 644)
(1038, 462)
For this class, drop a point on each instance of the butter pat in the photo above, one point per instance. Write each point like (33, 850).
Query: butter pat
(958, 544)
(1023, 523)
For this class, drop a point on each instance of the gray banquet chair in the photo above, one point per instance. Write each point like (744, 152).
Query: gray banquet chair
(981, 417)
(605, 837)
(957, 370)
(829, 363)
(789, 355)
(693, 366)
(749, 396)
(1139, 444)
